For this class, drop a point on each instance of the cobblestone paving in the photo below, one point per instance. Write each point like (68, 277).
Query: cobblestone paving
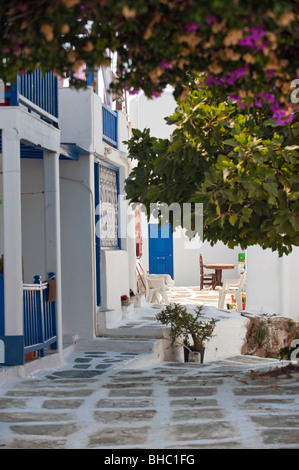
(97, 402)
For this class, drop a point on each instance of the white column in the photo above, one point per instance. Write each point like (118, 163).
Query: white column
(52, 230)
(13, 292)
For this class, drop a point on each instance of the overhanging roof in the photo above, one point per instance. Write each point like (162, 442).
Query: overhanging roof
(68, 151)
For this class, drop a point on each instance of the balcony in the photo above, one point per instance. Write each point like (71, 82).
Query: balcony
(39, 316)
(39, 313)
(35, 92)
(109, 125)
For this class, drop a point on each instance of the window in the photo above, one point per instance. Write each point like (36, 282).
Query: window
(108, 206)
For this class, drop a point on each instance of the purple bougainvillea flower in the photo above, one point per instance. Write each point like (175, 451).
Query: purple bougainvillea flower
(290, 118)
(246, 42)
(270, 98)
(235, 97)
(258, 103)
(166, 64)
(212, 80)
(192, 26)
(235, 74)
(254, 40)
(155, 94)
(211, 19)
(126, 86)
(239, 100)
(280, 114)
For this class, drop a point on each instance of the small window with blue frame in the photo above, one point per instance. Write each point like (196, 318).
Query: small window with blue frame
(108, 207)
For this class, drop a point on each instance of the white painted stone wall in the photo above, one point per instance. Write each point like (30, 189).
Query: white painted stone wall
(150, 113)
(77, 241)
(33, 221)
(76, 117)
(115, 264)
(272, 282)
(81, 123)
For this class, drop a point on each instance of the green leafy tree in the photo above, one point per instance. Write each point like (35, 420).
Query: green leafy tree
(240, 164)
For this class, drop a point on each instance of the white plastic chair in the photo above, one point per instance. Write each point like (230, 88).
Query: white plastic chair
(154, 289)
(169, 282)
(233, 287)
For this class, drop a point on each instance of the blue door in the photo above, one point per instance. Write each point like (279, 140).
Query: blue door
(160, 250)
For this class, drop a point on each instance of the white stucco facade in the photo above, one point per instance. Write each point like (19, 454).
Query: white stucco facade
(30, 212)
(47, 213)
(272, 282)
(81, 123)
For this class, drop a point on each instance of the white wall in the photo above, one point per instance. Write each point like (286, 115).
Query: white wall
(272, 282)
(144, 113)
(81, 123)
(33, 220)
(75, 116)
(77, 246)
(186, 260)
(80, 118)
(115, 264)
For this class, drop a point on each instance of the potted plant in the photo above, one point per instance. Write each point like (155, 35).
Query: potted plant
(187, 329)
(125, 301)
(243, 294)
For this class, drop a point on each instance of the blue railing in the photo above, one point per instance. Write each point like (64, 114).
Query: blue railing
(40, 329)
(109, 125)
(35, 91)
(1, 306)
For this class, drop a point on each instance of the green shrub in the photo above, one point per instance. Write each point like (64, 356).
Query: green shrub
(186, 325)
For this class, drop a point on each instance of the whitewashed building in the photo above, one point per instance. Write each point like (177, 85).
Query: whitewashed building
(29, 216)
(98, 253)
(67, 255)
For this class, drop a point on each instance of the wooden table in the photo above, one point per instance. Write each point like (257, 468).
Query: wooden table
(218, 267)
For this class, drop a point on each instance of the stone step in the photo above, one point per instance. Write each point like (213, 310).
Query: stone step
(145, 351)
(129, 344)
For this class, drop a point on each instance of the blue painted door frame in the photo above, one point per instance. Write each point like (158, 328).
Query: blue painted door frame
(1, 305)
(97, 165)
(97, 239)
(160, 249)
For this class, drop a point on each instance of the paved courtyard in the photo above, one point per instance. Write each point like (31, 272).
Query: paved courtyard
(110, 399)
(105, 400)
(193, 296)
